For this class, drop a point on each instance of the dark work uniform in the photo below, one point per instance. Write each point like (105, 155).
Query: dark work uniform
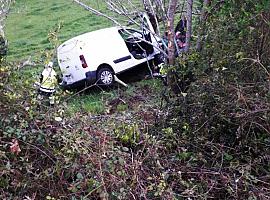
(181, 27)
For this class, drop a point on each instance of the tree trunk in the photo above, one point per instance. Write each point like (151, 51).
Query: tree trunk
(4, 8)
(201, 32)
(189, 24)
(170, 30)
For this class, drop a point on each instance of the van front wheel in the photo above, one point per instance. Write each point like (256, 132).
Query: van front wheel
(105, 76)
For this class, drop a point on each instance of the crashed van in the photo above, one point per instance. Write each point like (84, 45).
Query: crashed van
(95, 57)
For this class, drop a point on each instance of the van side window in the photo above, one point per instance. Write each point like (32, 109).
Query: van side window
(130, 34)
(132, 39)
(135, 43)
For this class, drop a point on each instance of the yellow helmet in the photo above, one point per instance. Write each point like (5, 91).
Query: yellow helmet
(50, 64)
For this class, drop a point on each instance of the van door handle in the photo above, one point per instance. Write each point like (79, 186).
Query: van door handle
(121, 59)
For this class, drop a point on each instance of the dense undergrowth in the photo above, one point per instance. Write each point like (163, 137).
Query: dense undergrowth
(218, 137)
(210, 142)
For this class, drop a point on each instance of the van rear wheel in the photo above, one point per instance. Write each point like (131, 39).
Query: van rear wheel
(105, 76)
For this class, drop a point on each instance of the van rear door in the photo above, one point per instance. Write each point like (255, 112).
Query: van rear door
(70, 61)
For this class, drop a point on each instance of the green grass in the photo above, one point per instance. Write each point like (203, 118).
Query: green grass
(95, 101)
(91, 102)
(30, 21)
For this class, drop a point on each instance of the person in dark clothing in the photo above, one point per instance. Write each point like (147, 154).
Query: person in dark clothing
(180, 32)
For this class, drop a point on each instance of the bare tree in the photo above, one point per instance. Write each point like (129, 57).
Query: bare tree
(189, 24)
(171, 35)
(203, 19)
(4, 8)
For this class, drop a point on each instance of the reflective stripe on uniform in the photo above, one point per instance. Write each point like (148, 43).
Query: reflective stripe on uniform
(46, 90)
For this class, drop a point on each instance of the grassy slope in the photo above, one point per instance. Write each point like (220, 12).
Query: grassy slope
(30, 21)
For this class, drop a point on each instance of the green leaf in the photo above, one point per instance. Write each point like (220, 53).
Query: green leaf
(79, 176)
(228, 156)
(125, 149)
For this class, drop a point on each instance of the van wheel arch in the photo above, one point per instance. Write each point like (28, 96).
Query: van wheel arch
(105, 70)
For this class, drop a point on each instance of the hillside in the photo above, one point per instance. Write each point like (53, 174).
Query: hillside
(30, 21)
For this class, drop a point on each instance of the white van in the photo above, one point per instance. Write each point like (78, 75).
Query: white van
(96, 56)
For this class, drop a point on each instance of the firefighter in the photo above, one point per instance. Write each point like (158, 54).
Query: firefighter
(48, 82)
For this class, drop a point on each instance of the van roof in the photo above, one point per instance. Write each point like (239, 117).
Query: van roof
(93, 34)
(99, 32)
